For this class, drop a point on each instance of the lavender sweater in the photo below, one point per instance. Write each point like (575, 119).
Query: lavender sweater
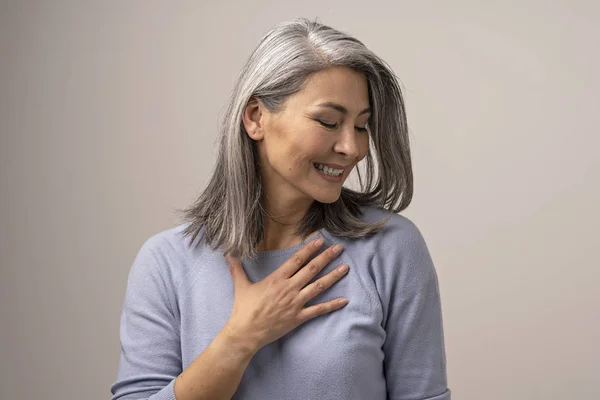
(387, 343)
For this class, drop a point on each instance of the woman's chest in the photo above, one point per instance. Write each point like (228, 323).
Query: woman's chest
(343, 346)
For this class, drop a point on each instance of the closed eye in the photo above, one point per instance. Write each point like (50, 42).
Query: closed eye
(328, 126)
(333, 126)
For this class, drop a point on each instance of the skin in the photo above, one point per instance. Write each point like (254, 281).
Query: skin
(303, 132)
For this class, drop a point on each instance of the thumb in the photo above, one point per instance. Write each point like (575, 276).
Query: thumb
(240, 279)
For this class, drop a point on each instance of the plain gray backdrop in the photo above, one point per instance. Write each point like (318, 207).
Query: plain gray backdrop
(108, 116)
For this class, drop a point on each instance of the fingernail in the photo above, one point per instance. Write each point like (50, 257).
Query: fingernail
(343, 269)
(319, 242)
(337, 248)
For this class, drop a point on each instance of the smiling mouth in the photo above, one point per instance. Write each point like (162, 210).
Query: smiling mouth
(328, 171)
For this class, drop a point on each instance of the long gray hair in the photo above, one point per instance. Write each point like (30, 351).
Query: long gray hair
(230, 209)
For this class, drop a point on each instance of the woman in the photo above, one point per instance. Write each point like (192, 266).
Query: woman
(254, 309)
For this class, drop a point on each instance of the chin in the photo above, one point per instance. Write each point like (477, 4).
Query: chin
(327, 198)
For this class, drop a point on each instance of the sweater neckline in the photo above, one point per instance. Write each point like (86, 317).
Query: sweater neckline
(288, 251)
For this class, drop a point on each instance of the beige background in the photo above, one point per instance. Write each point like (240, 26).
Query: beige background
(108, 114)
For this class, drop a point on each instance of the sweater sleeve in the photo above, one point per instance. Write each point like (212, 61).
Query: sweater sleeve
(414, 354)
(150, 358)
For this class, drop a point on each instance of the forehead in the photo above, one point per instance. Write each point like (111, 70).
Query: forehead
(337, 84)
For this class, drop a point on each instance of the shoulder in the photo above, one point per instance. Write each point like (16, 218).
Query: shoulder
(397, 253)
(398, 234)
(165, 254)
(398, 245)
(171, 240)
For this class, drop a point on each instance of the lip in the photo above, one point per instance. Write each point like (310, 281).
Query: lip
(329, 178)
(334, 166)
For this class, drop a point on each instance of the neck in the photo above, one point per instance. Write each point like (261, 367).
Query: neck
(281, 222)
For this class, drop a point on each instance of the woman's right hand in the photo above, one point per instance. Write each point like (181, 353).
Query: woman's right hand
(267, 310)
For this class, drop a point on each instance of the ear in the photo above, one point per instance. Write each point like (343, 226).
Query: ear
(254, 119)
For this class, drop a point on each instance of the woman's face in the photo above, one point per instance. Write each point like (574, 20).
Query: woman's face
(308, 149)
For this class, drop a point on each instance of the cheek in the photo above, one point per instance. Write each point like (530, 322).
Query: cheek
(298, 159)
(363, 146)
(305, 150)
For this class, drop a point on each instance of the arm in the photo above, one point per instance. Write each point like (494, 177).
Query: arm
(150, 365)
(218, 370)
(415, 361)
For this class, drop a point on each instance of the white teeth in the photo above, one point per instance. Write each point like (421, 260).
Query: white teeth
(329, 171)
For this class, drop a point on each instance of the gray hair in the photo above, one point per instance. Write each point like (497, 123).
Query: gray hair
(230, 210)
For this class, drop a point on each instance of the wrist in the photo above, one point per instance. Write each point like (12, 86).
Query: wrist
(240, 342)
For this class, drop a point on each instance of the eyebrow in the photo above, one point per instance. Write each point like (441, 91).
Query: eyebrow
(341, 108)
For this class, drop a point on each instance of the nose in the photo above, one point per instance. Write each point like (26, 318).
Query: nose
(346, 143)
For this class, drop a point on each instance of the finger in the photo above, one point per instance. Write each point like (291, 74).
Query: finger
(297, 260)
(320, 309)
(322, 284)
(240, 279)
(315, 266)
